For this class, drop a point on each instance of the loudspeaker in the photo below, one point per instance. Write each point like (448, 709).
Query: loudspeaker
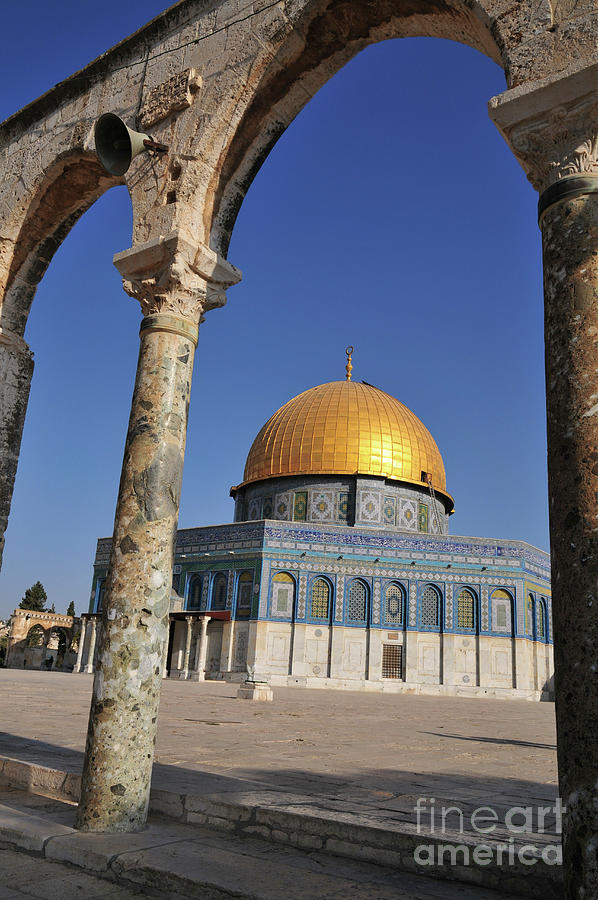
(117, 145)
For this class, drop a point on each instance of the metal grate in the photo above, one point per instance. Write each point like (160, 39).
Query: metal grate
(465, 609)
(320, 599)
(394, 604)
(357, 602)
(430, 615)
(392, 661)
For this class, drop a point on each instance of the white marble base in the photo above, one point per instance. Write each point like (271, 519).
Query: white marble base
(251, 690)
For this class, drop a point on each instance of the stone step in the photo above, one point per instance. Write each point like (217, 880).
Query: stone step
(180, 861)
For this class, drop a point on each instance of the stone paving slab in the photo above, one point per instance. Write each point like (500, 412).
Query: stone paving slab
(25, 876)
(307, 769)
(177, 862)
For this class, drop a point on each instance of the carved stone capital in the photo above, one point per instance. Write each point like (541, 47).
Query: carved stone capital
(175, 276)
(552, 127)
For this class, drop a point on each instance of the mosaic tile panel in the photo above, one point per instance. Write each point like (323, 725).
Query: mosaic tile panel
(204, 593)
(422, 519)
(413, 604)
(263, 608)
(520, 606)
(229, 590)
(268, 508)
(369, 506)
(485, 612)
(282, 506)
(254, 508)
(340, 593)
(407, 515)
(300, 506)
(376, 601)
(321, 506)
(301, 600)
(389, 512)
(344, 506)
(448, 606)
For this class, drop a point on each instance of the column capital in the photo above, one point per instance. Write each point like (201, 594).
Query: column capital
(552, 126)
(175, 275)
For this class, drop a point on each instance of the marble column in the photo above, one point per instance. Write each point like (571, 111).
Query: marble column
(77, 667)
(554, 133)
(93, 622)
(188, 636)
(202, 650)
(175, 282)
(16, 364)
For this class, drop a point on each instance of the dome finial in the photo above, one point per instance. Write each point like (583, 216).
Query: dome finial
(349, 366)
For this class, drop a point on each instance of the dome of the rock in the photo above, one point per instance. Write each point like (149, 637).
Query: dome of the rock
(345, 428)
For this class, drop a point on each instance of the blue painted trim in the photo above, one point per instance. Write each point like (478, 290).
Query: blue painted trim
(421, 587)
(386, 583)
(270, 614)
(363, 623)
(332, 601)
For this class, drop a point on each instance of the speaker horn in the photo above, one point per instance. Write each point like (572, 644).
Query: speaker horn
(117, 144)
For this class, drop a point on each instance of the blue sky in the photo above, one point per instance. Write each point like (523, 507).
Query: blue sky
(390, 216)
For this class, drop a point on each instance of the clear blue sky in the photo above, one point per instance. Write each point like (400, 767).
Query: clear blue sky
(391, 216)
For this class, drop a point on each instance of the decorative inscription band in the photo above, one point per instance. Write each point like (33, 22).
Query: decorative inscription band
(566, 189)
(170, 323)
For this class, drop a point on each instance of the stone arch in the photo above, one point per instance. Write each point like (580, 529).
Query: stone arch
(318, 41)
(41, 221)
(36, 636)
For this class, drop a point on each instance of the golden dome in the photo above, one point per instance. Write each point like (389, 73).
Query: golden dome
(346, 428)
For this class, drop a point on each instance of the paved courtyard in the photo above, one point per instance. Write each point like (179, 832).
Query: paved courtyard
(367, 752)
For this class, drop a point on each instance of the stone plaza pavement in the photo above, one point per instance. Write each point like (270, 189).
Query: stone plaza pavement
(359, 760)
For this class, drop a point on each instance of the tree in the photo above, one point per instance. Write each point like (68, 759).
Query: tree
(52, 609)
(71, 610)
(35, 598)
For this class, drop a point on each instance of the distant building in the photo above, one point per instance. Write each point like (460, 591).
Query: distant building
(339, 571)
(42, 640)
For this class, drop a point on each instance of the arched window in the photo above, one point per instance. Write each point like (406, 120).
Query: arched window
(283, 595)
(357, 606)
(395, 602)
(100, 593)
(529, 616)
(194, 593)
(430, 608)
(501, 605)
(245, 590)
(465, 609)
(219, 591)
(320, 599)
(540, 620)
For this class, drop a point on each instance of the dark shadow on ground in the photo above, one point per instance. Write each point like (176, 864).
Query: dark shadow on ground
(490, 740)
(355, 792)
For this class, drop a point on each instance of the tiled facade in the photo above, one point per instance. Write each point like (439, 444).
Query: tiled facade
(353, 500)
(470, 615)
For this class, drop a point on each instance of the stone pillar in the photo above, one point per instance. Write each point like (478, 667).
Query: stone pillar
(16, 365)
(554, 132)
(174, 282)
(92, 645)
(202, 650)
(188, 635)
(77, 667)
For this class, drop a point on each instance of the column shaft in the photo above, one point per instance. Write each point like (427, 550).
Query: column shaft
(570, 245)
(77, 667)
(188, 635)
(126, 692)
(202, 650)
(92, 646)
